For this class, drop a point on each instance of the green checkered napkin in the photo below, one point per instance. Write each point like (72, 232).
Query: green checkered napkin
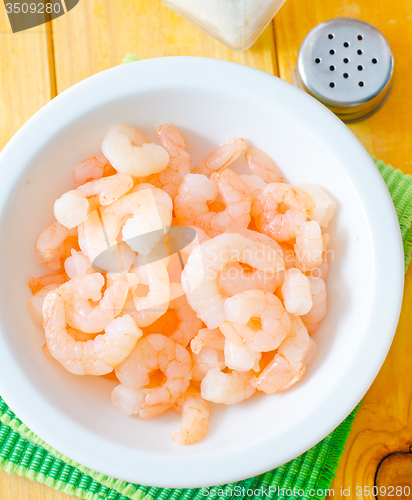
(306, 477)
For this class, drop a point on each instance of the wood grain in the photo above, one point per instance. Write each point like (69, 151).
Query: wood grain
(25, 76)
(383, 424)
(387, 134)
(27, 83)
(97, 34)
(19, 488)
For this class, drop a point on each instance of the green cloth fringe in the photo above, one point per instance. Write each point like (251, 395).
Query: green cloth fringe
(307, 477)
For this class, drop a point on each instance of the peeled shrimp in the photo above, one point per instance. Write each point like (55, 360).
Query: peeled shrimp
(236, 279)
(325, 205)
(94, 357)
(241, 358)
(221, 157)
(130, 153)
(309, 246)
(91, 169)
(206, 359)
(37, 284)
(55, 244)
(150, 211)
(296, 292)
(150, 354)
(227, 388)
(188, 324)
(260, 164)
(287, 366)
(151, 306)
(195, 417)
(78, 264)
(73, 207)
(208, 338)
(179, 161)
(191, 204)
(266, 206)
(78, 292)
(262, 336)
(313, 318)
(35, 303)
(322, 270)
(199, 277)
(287, 226)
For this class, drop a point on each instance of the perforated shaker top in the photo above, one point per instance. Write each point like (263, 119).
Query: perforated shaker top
(347, 64)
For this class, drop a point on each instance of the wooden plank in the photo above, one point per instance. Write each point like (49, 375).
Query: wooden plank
(387, 134)
(382, 425)
(26, 83)
(97, 34)
(18, 488)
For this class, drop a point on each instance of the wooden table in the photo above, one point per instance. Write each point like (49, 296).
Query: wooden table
(38, 64)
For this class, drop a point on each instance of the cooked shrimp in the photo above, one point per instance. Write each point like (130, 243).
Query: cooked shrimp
(199, 277)
(317, 313)
(191, 204)
(91, 169)
(150, 210)
(94, 357)
(78, 264)
(241, 358)
(73, 207)
(55, 244)
(227, 388)
(195, 417)
(288, 255)
(208, 338)
(179, 161)
(311, 353)
(255, 184)
(287, 366)
(325, 205)
(151, 306)
(206, 359)
(322, 270)
(240, 325)
(221, 157)
(188, 324)
(35, 303)
(130, 153)
(309, 246)
(260, 164)
(266, 205)
(287, 226)
(79, 291)
(236, 279)
(127, 400)
(296, 343)
(37, 284)
(296, 292)
(156, 352)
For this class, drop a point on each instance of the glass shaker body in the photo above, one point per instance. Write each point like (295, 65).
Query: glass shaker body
(236, 23)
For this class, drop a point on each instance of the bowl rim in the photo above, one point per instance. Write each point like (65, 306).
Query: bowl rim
(387, 247)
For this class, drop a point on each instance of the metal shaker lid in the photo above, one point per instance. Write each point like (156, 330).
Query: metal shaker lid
(347, 64)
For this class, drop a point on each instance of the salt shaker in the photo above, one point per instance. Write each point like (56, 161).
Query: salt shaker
(236, 23)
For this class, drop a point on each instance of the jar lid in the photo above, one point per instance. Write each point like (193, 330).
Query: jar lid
(347, 64)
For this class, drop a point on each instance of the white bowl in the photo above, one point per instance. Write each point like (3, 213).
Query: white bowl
(208, 101)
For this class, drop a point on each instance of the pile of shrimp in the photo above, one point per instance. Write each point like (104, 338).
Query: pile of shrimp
(229, 314)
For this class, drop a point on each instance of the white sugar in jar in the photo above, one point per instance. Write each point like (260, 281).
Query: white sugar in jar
(236, 23)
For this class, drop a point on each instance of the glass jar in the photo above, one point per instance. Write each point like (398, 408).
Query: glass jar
(236, 23)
